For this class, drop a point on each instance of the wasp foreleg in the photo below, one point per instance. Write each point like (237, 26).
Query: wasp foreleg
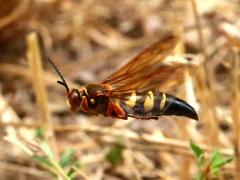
(84, 104)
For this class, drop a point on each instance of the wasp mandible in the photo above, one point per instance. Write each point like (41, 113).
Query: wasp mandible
(135, 89)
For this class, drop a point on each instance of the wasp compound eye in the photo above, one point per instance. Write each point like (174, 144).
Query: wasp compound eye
(74, 99)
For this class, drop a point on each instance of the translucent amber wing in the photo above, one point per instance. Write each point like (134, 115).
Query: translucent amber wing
(147, 70)
(144, 61)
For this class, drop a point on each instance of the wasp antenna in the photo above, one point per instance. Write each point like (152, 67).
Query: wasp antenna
(63, 82)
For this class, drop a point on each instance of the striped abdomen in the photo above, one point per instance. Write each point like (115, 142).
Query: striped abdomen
(153, 104)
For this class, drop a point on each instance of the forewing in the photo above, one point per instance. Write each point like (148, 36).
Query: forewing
(147, 70)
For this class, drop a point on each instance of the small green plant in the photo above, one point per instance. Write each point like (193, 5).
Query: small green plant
(208, 168)
(115, 155)
(67, 165)
(40, 151)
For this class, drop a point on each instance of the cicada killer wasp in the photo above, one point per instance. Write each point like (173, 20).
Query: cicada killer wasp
(134, 90)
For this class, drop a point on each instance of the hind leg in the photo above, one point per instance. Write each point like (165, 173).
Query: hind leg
(142, 117)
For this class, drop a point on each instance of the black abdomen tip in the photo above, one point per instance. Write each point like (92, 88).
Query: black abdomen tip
(179, 107)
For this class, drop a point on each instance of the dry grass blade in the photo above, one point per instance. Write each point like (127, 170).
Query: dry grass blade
(180, 49)
(35, 63)
(235, 109)
(207, 92)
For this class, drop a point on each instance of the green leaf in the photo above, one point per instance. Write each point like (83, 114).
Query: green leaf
(77, 165)
(68, 158)
(44, 161)
(201, 161)
(217, 161)
(47, 149)
(40, 133)
(199, 154)
(216, 157)
(222, 162)
(215, 171)
(114, 156)
(71, 173)
(196, 149)
(199, 177)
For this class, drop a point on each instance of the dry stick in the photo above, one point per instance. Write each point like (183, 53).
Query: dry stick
(35, 63)
(185, 135)
(235, 108)
(180, 49)
(207, 92)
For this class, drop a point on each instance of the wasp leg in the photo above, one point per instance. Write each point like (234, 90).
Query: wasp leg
(114, 110)
(143, 118)
(84, 104)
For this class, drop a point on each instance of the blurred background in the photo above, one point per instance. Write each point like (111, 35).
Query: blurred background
(88, 40)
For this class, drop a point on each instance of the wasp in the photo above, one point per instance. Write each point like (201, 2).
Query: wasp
(135, 89)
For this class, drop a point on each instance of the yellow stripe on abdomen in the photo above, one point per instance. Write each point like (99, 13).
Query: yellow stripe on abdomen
(149, 102)
(163, 101)
(131, 102)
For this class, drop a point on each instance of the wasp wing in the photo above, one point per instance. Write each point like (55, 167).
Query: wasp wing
(147, 70)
